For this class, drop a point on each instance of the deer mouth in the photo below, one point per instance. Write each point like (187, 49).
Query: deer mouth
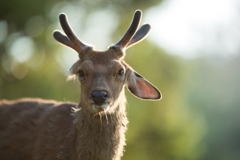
(100, 107)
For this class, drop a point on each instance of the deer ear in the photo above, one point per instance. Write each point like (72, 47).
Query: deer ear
(141, 88)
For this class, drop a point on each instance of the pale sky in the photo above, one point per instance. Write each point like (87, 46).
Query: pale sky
(191, 28)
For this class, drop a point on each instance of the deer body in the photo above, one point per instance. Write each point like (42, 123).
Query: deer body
(40, 122)
(94, 128)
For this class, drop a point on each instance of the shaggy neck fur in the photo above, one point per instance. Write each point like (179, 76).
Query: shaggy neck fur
(100, 137)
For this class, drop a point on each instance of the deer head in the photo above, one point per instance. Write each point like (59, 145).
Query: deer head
(103, 74)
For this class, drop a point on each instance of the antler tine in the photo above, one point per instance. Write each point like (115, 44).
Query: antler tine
(63, 39)
(72, 37)
(131, 30)
(139, 35)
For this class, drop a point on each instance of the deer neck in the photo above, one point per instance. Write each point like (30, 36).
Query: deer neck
(102, 133)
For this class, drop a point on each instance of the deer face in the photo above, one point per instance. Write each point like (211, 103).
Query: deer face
(102, 78)
(103, 74)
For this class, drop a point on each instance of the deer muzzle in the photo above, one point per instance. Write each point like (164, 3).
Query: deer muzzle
(99, 98)
(100, 107)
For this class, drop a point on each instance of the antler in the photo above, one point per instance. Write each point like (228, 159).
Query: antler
(132, 37)
(140, 35)
(71, 39)
(131, 30)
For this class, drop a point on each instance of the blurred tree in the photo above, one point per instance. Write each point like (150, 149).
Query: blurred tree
(31, 66)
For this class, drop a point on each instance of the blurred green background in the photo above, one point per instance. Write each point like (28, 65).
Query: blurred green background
(198, 117)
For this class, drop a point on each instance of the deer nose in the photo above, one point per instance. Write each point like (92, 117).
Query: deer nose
(99, 97)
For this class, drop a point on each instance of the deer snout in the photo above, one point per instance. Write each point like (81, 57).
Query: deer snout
(99, 97)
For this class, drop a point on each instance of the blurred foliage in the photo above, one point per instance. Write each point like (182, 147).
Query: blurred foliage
(215, 93)
(169, 129)
(164, 129)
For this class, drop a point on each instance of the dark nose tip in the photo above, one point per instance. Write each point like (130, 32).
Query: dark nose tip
(99, 96)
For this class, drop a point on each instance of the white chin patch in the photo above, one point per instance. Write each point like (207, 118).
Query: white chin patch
(100, 108)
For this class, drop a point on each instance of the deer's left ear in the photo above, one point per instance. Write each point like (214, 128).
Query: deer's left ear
(141, 88)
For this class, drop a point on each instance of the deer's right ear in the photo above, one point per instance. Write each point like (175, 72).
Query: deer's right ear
(141, 88)
(72, 72)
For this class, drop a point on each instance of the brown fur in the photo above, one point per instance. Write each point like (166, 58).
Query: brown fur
(40, 130)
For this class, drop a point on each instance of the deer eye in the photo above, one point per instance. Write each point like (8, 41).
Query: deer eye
(81, 74)
(120, 72)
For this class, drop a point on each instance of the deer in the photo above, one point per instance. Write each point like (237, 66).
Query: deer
(92, 129)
